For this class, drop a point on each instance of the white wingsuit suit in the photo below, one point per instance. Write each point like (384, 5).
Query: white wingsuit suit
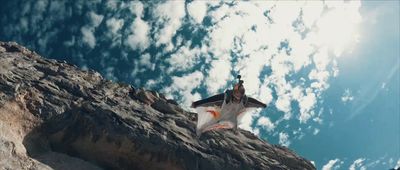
(221, 111)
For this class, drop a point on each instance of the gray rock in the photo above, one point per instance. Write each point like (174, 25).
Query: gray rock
(55, 116)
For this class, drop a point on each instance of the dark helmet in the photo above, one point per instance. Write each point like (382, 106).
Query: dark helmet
(238, 89)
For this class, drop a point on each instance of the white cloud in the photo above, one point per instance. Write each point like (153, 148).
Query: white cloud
(255, 131)
(110, 73)
(306, 104)
(145, 61)
(95, 19)
(347, 97)
(266, 123)
(245, 121)
(114, 25)
(338, 38)
(184, 85)
(137, 8)
(223, 10)
(139, 39)
(397, 165)
(286, 12)
(218, 75)
(301, 48)
(151, 83)
(88, 36)
(113, 5)
(89, 29)
(332, 165)
(184, 58)
(169, 16)
(318, 118)
(298, 133)
(250, 68)
(335, 68)
(311, 12)
(197, 10)
(283, 103)
(391, 161)
(228, 27)
(265, 94)
(316, 131)
(372, 164)
(284, 139)
(321, 79)
(358, 163)
(321, 59)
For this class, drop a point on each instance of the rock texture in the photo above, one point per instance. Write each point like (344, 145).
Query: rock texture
(55, 116)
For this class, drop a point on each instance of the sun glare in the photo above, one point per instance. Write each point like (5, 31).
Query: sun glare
(338, 29)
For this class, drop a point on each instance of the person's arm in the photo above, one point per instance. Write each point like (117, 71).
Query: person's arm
(251, 102)
(213, 100)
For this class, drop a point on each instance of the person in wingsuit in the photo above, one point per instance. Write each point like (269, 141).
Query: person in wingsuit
(222, 110)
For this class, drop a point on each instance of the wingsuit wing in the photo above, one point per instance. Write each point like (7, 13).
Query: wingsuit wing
(209, 113)
(210, 118)
(251, 102)
(215, 100)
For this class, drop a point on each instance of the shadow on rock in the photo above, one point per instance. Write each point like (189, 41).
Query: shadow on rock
(38, 148)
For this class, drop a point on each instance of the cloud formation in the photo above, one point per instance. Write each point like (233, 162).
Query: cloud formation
(358, 163)
(284, 139)
(332, 164)
(347, 97)
(168, 17)
(139, 39)
(266, 123)
(197, 10)
(397, 164)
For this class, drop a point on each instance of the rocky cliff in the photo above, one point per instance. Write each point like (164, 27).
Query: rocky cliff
(55, 116)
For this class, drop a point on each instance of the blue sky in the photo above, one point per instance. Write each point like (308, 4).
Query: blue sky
(371, 73)
(329, 71)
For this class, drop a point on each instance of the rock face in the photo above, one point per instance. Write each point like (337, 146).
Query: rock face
(55, 116)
